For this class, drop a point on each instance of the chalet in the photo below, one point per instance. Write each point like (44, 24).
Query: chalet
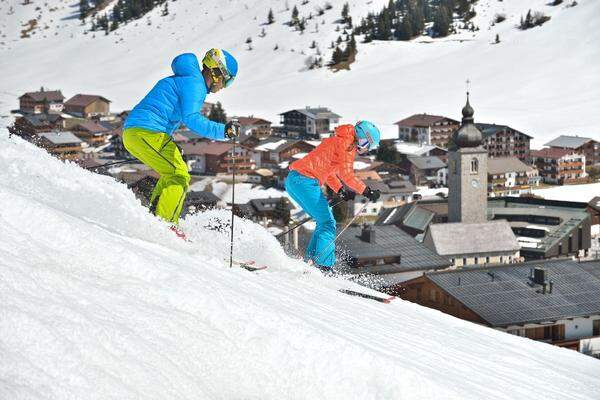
(271, 210)
(468, 244)
(257, 127)
(559, 166)
(427, 171)
(275, 151)
(408, 149)
(262, 177)
(504, 141)
(216, 157)
(64, 145)
(44, 101)
(309, 122)
(91, 132)
(557, 302)
(87, 106)
(32, 124)
(394, 192)
(199, 200)
(509, 176)
(590, 148)
(387, 252)
(427, 129)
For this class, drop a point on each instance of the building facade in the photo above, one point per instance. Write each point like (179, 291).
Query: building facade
(309, 122)
(504, 141)
(559, 166)
(427, 129)
(87, 106)
(590, 148)
(556, 302)
(509, 176)
(44, 101)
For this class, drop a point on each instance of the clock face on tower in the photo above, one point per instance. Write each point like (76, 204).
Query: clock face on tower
(474, 183)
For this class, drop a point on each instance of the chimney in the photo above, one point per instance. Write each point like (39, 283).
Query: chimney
(551, 285)
(367, 234)
(539, 276)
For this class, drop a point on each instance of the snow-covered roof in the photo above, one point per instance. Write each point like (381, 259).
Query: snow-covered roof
(271, 145)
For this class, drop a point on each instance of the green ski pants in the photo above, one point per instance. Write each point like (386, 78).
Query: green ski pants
(157, 150)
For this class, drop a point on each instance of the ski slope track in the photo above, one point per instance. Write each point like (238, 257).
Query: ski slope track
(543, 81)
(99, 300)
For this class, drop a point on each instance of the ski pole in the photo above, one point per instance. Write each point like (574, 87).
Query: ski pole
(302, 222)
(313, 259)
(109, 164)
(232, 201)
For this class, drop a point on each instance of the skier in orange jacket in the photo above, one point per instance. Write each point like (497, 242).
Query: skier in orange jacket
(331, 163)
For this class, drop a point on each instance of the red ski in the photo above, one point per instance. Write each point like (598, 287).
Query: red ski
(248, 265)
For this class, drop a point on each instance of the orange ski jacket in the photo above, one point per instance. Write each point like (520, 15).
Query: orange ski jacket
(333, 160)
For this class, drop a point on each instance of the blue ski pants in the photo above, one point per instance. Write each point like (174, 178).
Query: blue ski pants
(307, 193)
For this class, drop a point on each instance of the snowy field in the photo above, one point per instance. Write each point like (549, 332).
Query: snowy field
(543, 81)
(99, 300)
(581, 193)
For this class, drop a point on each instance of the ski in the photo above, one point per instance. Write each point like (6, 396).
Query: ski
(248, 265)
(385, 300)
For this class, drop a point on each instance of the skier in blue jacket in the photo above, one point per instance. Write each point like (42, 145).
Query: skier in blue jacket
(173, 100)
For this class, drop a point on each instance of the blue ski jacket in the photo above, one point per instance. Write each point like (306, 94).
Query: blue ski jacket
(176, 99)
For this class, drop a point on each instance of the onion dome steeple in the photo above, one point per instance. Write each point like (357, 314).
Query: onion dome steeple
(468, 135)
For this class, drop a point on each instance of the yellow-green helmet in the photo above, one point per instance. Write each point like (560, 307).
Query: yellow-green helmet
(224, 62)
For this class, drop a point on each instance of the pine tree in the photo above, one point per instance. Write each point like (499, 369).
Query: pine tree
(404, 30)
(84, 9)
(302, 25)
(441, 24)
(270, 17)
(165, 10)
(336, 57)
(295, 15)
(217, 113)
(281, 211)
(345, 12)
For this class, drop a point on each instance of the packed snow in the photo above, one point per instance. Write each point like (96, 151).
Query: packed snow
(543, 81)
(581, 193)
(99, 300)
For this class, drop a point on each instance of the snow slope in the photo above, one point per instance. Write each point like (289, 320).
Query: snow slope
(543, 81)
(98, 300)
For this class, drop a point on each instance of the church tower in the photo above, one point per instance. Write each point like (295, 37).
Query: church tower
(467, 172)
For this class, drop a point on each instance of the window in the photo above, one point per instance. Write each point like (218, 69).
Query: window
(474, 166)
(570, 244)
(487, 260)
(476, 260)
(419, 293)
(501, 259)
(432, 295)
(580, 238)
(596, 327)
(464, 261)
(560, 248)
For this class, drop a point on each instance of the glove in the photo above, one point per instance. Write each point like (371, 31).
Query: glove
(346, 194)
(232, 129)
(372, 195)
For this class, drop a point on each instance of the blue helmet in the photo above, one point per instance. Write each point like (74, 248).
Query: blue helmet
(367, 130)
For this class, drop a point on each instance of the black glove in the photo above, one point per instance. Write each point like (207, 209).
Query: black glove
(372, 195)
(346, 194)
(232, 129)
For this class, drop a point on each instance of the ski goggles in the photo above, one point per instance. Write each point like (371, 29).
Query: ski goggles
(363, 144)
(218, 68)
